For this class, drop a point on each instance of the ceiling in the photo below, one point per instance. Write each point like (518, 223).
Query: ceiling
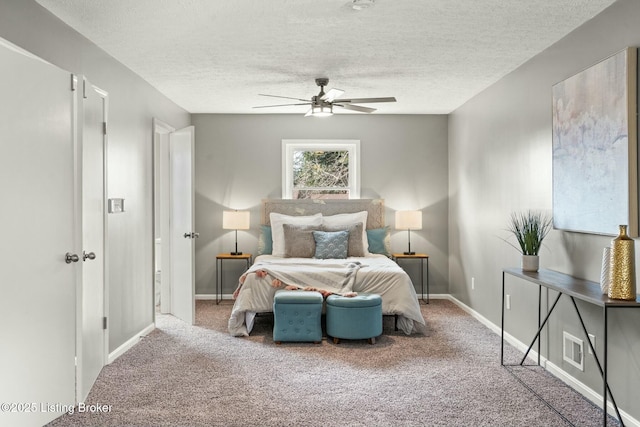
(216, 56)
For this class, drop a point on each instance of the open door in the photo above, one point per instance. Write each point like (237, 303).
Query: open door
(161, 209)
(40, 248)
(182, 233)
(92, 337)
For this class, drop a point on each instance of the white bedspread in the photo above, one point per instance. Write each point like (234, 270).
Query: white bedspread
(375, 274)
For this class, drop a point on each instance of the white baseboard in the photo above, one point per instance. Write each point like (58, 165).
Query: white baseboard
(208, 296)
(213, 297)
(436, 296)
(552, 368)
(130, 343)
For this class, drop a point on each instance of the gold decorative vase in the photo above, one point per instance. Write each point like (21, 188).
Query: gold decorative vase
(622, 284)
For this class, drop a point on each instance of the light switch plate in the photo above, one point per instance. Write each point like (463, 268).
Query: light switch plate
(116, 205)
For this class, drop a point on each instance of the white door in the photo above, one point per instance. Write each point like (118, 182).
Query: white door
(38, 220)
(162, 196)
(182, 234)
(91, 334)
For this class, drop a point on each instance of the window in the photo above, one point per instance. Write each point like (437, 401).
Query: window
(320, 169)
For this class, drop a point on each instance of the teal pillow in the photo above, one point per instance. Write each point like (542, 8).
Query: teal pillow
(265, 241)
(379, 241)
(331, 244)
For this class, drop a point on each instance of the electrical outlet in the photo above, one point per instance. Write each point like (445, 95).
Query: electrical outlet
(473, 283)
(592, 338)
(508, 302)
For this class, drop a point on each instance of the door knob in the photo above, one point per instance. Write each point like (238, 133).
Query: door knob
(69, 258)
(187, 235)
(191, 235)
(89, 255)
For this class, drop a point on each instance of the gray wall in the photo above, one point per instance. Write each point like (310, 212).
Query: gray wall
(499, 162)
(238, 163)
(132, 105)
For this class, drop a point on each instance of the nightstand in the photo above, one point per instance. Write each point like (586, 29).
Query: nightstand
(422, 258)
(248, 258)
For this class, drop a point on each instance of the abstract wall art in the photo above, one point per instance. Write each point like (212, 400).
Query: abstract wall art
(595, 148)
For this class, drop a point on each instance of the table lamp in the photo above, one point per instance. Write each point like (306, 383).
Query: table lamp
(235, 220)
(409, 220)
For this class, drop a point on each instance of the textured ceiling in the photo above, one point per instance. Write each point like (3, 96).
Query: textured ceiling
(216, 56)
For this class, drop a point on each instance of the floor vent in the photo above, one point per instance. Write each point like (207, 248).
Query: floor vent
(572, 351)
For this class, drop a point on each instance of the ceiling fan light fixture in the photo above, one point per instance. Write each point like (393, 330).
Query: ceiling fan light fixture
(321, 110)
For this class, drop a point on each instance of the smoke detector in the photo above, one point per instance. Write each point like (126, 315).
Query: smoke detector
(362, 4)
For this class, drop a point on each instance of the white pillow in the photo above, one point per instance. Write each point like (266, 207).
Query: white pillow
(348, 219)
(277, 232)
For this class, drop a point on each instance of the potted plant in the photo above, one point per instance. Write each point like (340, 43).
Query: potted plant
(530, 228)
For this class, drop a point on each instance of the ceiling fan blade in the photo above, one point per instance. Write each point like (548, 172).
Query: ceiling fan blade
(332, 94)
(285, 97)
(366, 100)
(282, 105)
(356, 108)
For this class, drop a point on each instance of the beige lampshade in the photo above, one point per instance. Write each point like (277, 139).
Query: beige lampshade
(235, 220)
(408, 220)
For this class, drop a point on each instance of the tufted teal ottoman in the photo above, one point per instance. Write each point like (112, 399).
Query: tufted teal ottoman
(355, 318)
(296, 316)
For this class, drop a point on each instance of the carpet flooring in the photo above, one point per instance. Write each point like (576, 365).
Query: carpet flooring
(181, 375)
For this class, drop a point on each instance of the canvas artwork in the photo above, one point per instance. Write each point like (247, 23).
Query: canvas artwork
(595, 148)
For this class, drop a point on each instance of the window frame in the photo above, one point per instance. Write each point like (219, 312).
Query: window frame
(289, 146)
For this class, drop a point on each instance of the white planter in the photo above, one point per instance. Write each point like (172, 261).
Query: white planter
(530, 262)
(605, 273)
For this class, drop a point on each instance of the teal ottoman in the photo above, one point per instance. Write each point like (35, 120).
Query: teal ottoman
(354, 318)
(297, 316)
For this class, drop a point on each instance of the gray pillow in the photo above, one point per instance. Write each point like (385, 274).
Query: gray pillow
(298, 241)
(355, 237)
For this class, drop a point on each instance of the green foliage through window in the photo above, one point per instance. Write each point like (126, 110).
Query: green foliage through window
(320, 174)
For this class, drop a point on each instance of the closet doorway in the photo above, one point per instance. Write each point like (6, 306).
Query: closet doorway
(174, 234)
(92, 337)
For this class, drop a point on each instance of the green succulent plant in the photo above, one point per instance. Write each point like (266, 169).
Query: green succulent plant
(530, 228)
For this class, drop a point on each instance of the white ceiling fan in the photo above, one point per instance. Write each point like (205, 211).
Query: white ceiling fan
(323, 103)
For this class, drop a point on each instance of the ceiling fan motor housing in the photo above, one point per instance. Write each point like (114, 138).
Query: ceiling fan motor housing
(322, 81)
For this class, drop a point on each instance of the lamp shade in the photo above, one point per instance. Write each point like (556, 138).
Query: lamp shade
(235, 220)
(408, 220)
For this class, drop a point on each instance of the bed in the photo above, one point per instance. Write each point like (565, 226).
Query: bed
(336, 246)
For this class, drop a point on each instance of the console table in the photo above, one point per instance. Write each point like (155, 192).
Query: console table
(574, 288)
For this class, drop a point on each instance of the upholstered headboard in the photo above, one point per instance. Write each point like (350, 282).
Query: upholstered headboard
(374, 207)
